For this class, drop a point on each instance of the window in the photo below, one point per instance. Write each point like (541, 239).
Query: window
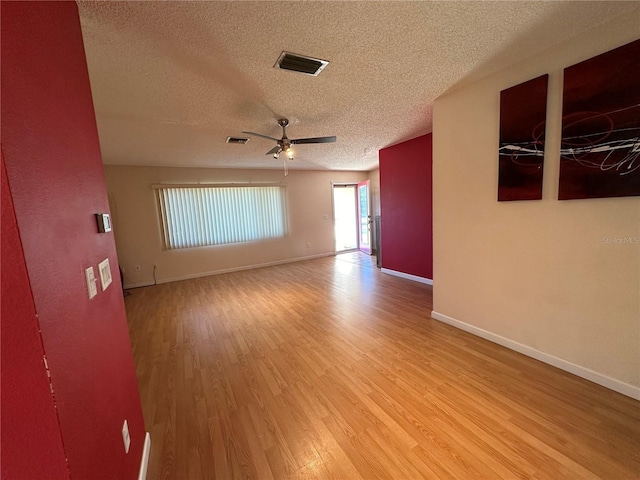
(196, 216)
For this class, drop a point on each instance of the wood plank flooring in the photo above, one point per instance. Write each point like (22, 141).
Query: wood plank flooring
(329, 369)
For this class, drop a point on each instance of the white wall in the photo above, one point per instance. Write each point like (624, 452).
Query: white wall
(536, 275)
(137, 224)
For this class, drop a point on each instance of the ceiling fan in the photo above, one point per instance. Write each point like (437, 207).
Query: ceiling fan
(284, 143)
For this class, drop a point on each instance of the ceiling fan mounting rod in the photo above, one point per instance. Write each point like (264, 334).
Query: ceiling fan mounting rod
(283, 122)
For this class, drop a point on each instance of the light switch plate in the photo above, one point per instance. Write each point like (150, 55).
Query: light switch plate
(126, 439)
(105, 273)
(91, 282)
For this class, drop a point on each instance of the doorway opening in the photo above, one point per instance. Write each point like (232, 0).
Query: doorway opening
(345, 215)
(364, 217)
(352, 217)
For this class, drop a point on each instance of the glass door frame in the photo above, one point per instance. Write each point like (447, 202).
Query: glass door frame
(333, 210)
(365, 221)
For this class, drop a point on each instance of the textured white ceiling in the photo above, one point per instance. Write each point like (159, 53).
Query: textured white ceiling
(171, 80)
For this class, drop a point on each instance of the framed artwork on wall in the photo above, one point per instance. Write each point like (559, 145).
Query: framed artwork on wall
(600, 149)
(523, 110)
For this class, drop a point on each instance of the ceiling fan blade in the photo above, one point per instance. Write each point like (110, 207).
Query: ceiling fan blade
(299, 141)
(262, 136)
(275, 149)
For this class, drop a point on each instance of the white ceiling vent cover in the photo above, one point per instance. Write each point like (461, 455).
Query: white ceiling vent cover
(237, 140)
(300, 63)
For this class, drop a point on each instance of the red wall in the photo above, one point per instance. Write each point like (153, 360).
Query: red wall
(406, 207)
(54, 169)
(31, 446)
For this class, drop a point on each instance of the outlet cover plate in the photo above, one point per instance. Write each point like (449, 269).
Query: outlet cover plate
(105, 273)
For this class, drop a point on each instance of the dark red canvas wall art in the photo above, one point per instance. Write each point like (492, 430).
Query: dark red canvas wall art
(600, 149)
(523, 111)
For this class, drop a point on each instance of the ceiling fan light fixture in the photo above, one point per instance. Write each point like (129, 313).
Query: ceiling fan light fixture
(300, 63)
(284, 144)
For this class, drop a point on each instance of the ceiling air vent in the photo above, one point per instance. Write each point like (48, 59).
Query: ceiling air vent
(300, 63)
(238, 140)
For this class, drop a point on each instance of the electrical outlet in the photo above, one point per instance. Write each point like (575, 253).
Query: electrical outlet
(105, 273)
(125, 436)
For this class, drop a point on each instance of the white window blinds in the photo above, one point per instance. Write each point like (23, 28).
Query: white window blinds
(213, 215)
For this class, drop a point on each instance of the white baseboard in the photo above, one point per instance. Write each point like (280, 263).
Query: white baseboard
(138, 285)
(144, 461)
(583, 372)
(246, 267)
(408, 276)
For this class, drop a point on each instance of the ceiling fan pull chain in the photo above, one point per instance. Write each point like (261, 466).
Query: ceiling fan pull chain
(286, 167)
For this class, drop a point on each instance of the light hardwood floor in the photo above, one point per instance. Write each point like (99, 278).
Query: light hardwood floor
(330, 369)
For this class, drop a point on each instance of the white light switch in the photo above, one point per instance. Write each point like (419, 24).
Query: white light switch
(91, 282)
(105, 273)
(125, 436)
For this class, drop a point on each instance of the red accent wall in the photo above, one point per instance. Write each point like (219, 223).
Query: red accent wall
(54, 168)
(31, 442)
(406, 207)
